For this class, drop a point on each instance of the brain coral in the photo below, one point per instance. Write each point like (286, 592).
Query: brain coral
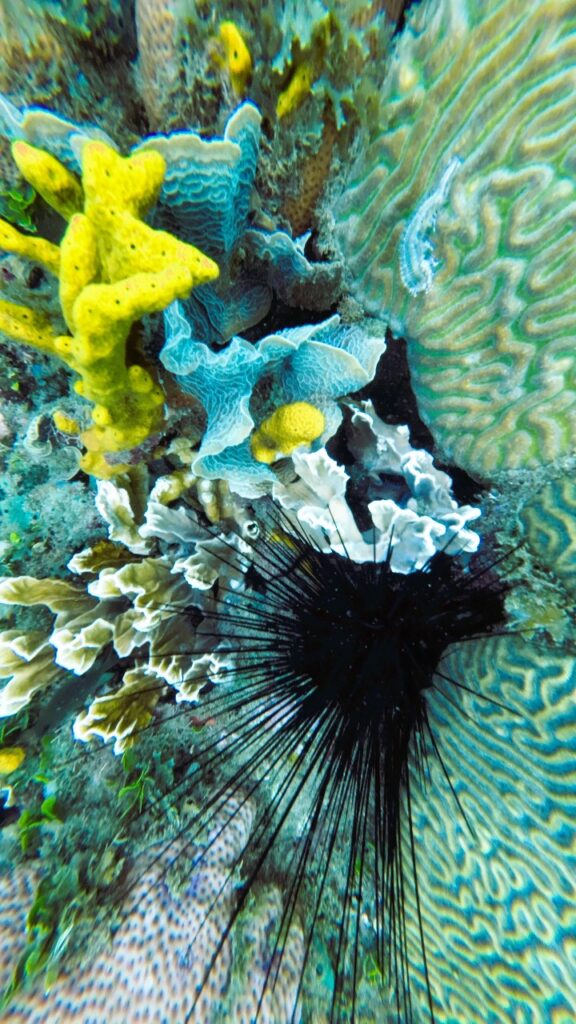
(457, 224)
(549, 523)
(499, 897)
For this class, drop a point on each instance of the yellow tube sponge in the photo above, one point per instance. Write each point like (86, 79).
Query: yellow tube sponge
(33, 248)
(54, 182)
(113, 269)
(290, 426)
(113, 182)
(23, 324)
(78, 263)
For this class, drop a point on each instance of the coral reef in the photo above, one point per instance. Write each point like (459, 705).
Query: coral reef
(130, 599)
(455, 225)
(276, 532)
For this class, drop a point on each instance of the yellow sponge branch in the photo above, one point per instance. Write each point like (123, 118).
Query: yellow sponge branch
(113, 269)
(54, 182)
(78, 263)
(114, 182)
(23, 324)
(33, 248)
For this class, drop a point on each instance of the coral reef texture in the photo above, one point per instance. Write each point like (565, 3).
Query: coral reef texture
(457, 225)
(296, 512)
(549, 523)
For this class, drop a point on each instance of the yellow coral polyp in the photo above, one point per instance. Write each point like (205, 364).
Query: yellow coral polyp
(237, 57)
(289, 427)
(10, 759)
(113, 269)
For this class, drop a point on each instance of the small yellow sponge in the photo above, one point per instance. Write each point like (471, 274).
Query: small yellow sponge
(237, 57)
(10, 759)
(290, 426)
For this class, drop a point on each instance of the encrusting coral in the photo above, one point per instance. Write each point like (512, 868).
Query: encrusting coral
(456, 224)
(113, 269)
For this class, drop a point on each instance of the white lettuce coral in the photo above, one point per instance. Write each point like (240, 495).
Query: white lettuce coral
(425, 519)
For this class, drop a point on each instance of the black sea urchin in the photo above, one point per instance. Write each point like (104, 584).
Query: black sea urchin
(321, 720)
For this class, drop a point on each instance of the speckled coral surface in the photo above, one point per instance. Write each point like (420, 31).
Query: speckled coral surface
(171, 959)
(151, 969)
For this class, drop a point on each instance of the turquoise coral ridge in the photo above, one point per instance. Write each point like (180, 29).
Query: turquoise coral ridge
(206, 193)
(208, 182)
